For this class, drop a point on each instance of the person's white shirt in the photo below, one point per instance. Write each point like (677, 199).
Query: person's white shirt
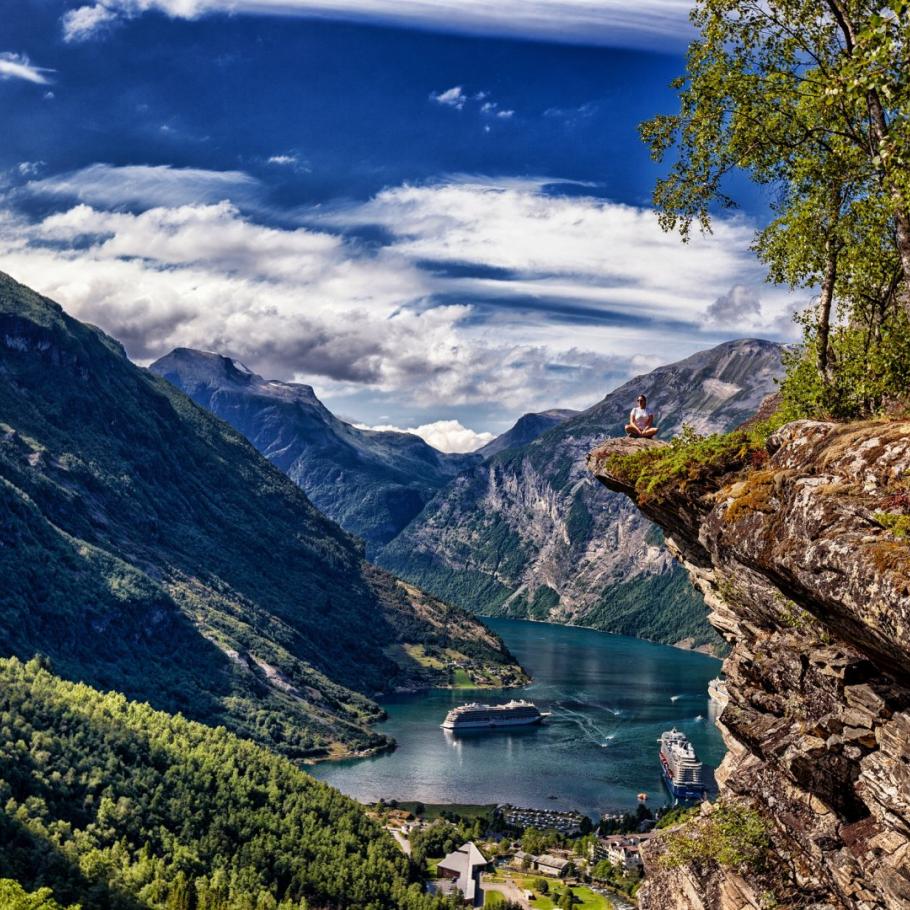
(640, 416)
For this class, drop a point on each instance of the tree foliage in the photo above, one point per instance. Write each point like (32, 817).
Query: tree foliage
(732, 835)
(811, 99)
(14, 897)
(116, 806)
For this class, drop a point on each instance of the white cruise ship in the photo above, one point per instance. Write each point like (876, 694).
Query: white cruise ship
(486, 717)
(681, 767)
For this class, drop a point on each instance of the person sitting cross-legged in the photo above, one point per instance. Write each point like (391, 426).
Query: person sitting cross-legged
(641, 420)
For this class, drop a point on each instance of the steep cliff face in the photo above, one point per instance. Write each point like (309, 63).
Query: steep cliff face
(802, 555)
(529, 534)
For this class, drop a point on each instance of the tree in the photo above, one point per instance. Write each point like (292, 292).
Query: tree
(812, 99)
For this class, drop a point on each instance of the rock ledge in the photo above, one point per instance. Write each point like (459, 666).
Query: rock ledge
(812, 591)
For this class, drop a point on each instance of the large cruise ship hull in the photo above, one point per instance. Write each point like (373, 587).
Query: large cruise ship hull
(680, 792)
(498, 724)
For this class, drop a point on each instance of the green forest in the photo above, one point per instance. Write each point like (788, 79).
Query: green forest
(111, 804)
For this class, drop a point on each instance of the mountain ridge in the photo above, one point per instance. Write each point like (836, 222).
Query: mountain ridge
(149, 548)
(523, 535)
(526, 429)
(372, 482)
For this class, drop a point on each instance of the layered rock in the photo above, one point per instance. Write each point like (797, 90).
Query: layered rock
(808, 578)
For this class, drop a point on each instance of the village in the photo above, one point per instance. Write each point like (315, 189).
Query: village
(507, 856)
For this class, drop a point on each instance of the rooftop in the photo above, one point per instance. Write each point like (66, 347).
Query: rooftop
(463, 862)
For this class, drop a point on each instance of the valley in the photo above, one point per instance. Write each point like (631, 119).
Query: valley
(517, 529)
(148, 548)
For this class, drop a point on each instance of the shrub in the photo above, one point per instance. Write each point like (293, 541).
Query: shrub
(691, 457)
(868, 372)
(732, 835)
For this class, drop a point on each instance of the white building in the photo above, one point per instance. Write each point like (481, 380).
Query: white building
(462, 868)
(622, 850)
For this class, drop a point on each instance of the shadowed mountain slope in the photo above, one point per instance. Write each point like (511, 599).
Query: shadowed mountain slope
(372, 483)
(526, 429)
(146, 546)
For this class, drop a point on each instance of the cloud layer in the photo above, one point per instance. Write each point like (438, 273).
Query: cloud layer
(18, 66)
(588, 21)
(500, 296)
(445, 435)
(144, 185)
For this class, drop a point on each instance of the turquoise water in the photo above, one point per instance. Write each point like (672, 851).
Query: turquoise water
(610, 698)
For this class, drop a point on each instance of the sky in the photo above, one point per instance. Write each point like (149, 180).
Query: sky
(436, 212)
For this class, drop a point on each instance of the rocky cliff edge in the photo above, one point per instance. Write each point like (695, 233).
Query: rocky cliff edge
(802, 552)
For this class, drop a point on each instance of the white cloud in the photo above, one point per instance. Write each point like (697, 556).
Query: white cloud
(572, 294)
(451, 97)
(581, 250)
(283, 160)
(18, 66)
(608, 22)
(84, 21)
(146, 185)
(445, 435)
(29, 168)
(457, 98)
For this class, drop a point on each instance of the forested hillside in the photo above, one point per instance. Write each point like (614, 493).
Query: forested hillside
(145, 546)
(113, 805)
(528, 533)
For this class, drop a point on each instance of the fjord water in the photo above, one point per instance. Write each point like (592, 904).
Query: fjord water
(610, 698)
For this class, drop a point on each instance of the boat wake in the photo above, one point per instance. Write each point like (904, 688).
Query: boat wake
(591, 730)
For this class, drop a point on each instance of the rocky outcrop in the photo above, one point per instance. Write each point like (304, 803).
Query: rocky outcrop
(800, 555)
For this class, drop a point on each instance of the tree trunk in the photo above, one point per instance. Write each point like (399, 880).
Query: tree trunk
(879, 129)
(823, 352)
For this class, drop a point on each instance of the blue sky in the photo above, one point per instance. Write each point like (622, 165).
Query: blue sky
(428, 210)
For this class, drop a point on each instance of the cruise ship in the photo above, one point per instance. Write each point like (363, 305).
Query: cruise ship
(681, 768)
(486, 717)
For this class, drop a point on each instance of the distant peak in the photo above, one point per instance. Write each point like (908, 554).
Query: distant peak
(203, 366)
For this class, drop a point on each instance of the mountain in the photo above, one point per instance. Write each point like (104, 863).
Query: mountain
(528, 534)
(525, 430)
(113, 805)
(372, 483)
(145, 546)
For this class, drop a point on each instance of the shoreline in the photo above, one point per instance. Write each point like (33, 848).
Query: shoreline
(678, 645)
